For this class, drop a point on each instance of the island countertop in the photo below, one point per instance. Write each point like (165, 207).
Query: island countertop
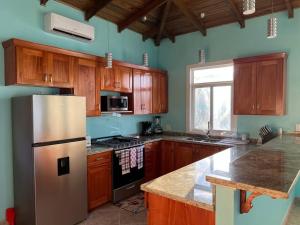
(271, 169)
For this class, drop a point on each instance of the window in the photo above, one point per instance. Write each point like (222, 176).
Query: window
(210, 98)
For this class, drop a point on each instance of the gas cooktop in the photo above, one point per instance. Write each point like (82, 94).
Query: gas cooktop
(117, 142)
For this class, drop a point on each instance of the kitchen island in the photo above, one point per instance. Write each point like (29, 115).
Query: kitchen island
(211, 190)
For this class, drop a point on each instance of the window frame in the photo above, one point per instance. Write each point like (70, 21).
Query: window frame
(190, 97)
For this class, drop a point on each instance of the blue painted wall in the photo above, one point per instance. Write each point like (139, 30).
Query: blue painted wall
(227, 42)
(24, 19)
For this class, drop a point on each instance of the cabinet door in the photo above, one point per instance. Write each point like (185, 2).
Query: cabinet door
(245, 89)
(163, 93)
(60, 69)
(204, 151)
(123, 76)
(152, 160)
(99, 188)
(107, 79)
(167, 157)
(137, 96)
(31, 67)
(270, 93)
(146, 92)
(156, 95)
(183, 155)
(87, 84)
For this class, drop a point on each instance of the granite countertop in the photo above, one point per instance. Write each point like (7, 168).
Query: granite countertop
(94, 150)
(271, 169)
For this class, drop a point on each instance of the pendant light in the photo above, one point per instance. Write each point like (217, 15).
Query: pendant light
(202, 56)
(248, 7)
(108, 55)
(272, 26)
(145, 59)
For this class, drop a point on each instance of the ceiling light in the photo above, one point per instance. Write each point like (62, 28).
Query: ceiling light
(272, 26)
(145, 59)
(108, 57)
(248, 7)
(144, 18)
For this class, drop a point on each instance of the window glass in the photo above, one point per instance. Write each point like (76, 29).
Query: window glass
(222, 108)
(202, 108)
(210, 75)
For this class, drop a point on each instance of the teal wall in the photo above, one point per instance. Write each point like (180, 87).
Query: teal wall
(228, 42)
(24, 19)
(265, 211)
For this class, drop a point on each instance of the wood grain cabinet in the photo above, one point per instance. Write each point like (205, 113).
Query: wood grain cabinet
(99, 179)
(118, 78)
(160, 93)
(203, 151)
(183, 154)
(259, 85)
(142, 93)
(167, 157)
(35, 67)
(152, 160)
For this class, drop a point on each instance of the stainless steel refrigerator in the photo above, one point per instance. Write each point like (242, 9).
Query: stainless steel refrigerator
(50, 164)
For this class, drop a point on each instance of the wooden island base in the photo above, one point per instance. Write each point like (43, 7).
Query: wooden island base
(165, 211)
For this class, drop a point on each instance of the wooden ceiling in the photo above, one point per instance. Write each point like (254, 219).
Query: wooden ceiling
(169, 18)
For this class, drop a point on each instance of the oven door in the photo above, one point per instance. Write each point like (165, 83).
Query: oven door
(117, 103)
(120, 180)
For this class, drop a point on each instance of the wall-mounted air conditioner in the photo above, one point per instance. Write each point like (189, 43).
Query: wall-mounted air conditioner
(58, 24)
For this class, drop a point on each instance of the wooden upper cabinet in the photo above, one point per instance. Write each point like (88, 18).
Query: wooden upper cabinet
(87, 81)
(60, 70)
(160, 93)
(142, 85)
(259, 85)
(118, 78)
(31, 67)
(245, 88)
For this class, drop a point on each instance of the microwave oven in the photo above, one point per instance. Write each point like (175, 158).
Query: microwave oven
(114, 103)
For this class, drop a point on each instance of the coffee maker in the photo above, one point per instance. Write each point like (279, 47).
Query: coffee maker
(146, 128)
(157, 129)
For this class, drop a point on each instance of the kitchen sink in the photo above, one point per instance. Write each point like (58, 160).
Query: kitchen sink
(203, 139)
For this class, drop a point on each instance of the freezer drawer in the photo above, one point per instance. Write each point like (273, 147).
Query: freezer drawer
(58, 118)
(60, 183)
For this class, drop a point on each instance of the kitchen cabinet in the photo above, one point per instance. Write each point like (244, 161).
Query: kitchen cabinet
(203, 151)
(36, 67)
(167, 157)
(118, 78)
(87, 80)
(259, 85)
(99, 179)
(183, 154)
(160, 92)
(152, 159)
(142, 92)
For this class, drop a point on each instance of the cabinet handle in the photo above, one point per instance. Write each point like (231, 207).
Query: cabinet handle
(253, 107)
(258, 106)
(45, 77)
(51, 78)
(99, 158)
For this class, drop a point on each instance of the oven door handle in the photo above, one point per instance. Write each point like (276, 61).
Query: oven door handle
(130, 187)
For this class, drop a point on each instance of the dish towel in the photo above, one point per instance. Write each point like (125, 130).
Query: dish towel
(124, 160)
(140, 157)
(133, 157)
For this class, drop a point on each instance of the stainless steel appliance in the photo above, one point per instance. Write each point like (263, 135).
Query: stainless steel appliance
(146, 128)
(114, 103)
(125, 183)
(50, 184)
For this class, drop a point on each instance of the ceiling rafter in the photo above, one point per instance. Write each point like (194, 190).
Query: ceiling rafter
(153, 31)
(43, 2)
(96, 8)
(190, 16)
(148, 7)
(236, 12)
(163, 22)
(290, 8)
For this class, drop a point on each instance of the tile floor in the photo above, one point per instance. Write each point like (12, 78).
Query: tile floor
(294, 217)
(112, 215)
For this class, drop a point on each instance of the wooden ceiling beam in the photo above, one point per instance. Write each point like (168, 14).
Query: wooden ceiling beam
(43, 2)
(96, 8)
(236, 12)
(190, 16)
(163, 22)
(153, 31)
(290, 8)
(148, 7)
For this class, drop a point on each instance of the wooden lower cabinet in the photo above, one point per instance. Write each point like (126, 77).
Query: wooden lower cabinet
(167, 157)
(165, 211)
(152, 159)
(99, 179)
(203, 151)
(183, 154)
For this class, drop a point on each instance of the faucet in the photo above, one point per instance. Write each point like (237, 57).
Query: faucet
(208, 130)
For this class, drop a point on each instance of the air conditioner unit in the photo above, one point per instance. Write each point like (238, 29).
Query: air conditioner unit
(58, 24)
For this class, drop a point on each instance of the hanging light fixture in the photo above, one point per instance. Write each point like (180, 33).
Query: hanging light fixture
(272, 26)
(202, 58)
(108, 55)
(145, 59)
(248, 7)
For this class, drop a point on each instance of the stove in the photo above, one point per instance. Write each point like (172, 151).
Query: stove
(117, 142)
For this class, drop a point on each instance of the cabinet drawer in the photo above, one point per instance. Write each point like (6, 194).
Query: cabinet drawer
(99, 158)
